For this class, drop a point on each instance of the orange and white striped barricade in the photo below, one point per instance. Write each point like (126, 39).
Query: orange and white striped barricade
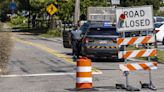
(138, 66)
(136, 53)
(84, 73)
(135, 40)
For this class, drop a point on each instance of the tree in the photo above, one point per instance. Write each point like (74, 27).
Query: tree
(66, 9)
(4, 6)
(127, 3)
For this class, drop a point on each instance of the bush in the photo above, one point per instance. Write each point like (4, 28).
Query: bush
(5, 51)
(18, 20)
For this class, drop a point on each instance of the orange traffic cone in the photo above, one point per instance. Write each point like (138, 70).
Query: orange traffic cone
(83, 73)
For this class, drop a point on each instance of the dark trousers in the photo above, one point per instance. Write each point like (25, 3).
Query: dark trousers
(76, 47)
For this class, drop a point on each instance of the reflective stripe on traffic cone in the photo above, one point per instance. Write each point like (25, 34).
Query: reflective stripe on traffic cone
(83, 73)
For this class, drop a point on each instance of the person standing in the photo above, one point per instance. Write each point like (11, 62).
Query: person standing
(76, 42)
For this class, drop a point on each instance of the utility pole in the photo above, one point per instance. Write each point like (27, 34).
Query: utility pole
(77, 11)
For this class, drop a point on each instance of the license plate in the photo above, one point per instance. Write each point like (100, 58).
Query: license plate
(103, 42)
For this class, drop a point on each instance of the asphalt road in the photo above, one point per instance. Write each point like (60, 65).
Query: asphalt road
(43, 65)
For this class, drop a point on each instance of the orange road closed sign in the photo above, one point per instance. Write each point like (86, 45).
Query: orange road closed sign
(51, 9)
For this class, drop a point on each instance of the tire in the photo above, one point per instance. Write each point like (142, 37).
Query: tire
(67, 39)
(66, 45)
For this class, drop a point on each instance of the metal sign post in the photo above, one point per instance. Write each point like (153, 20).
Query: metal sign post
(126, 73)
(12, 6)
(51, 10)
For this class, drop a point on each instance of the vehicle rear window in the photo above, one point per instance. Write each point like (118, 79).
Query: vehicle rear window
(157, 25)
(159, 19)
(102, 31)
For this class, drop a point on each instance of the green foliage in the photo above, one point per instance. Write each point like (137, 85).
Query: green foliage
(66, 7)
(66, 10)
(155, 3)
(161, 4)
(160, 13)
(23, 5)
(160, 56)
(18, 20)
(4, 6)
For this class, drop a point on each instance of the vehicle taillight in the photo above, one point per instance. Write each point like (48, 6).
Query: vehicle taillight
(86, 40)
(157, 31)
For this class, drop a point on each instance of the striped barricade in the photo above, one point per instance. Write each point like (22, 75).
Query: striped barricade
(83, 73)
(138, 66)
(137, 53)
(135, 40)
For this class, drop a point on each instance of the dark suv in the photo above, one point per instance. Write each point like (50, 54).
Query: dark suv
(99, 40)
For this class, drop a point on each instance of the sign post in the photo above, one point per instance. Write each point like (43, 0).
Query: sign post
(12, 6)
(51, 9)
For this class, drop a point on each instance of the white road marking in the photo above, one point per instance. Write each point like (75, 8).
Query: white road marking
(41, 74)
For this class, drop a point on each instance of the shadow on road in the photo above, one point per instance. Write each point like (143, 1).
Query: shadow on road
(94, 89)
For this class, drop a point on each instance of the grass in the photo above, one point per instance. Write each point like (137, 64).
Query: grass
(18, 26)
(5, 51)
(160, 56)
(51, 33)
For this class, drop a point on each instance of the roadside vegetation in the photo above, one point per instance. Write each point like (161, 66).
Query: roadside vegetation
(160, 56)
(5, 50)
(52, 33)
(18, 21)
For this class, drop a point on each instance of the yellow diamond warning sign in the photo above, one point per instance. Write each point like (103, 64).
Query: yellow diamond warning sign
(51, 9)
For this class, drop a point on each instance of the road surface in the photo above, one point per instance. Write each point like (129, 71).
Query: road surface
(43, 65)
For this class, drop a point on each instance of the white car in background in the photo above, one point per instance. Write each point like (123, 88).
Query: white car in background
(159, 28)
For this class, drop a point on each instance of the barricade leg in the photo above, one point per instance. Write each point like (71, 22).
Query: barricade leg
(150, 84)
(126, 86)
